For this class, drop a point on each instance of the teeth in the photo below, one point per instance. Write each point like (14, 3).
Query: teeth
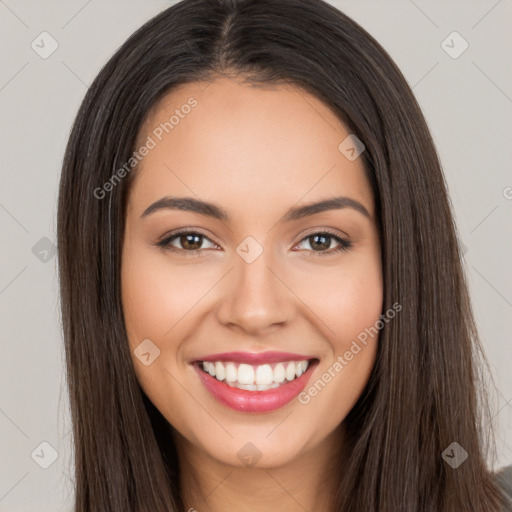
(301, 368)
(245, 374)
(255, 378)
(279, 373)
(264, 375)
(220, 371)
(290, 371)
(249, 387)
(264, 387)
(231, 372)
(211, 369)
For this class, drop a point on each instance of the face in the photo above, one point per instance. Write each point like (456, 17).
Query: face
(235, 323)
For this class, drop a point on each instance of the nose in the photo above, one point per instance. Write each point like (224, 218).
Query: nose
(255, 298)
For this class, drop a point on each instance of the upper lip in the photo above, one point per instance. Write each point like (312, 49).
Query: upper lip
(255, 358)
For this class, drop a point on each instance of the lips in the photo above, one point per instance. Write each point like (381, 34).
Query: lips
(255, 382)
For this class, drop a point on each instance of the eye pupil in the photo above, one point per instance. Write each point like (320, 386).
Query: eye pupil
(191, 241)
(325, 241)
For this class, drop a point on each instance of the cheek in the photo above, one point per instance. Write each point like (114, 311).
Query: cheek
(349, 302)
(156, 298)
(355, 303)
(157, 295)
(161, 302)
(346, 298)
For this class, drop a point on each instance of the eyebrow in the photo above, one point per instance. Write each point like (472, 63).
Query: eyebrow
(191, 204)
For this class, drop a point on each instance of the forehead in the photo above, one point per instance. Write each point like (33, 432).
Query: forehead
(254, 148)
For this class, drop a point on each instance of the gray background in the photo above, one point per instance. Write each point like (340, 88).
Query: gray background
(467, 102)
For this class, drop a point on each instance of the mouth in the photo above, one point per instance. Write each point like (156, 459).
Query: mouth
(255, 388)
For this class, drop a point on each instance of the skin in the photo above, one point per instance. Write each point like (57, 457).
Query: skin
(255, 152)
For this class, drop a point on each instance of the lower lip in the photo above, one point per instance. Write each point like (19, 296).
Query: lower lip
(255, 401)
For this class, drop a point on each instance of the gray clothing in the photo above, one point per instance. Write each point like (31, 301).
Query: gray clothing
(504, 481)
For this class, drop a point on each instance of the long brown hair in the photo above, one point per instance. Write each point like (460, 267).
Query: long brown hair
(423, 393)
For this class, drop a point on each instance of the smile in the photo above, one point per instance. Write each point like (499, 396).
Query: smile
(255, 388)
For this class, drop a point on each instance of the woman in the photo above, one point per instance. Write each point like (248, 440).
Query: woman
(262, 295)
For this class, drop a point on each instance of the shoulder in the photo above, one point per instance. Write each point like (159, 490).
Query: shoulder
(504, 482)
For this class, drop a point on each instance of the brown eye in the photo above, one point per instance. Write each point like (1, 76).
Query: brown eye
(320, 243)
(186, 241)
(190, 241)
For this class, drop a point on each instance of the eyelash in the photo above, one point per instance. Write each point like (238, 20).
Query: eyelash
(344, 244)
